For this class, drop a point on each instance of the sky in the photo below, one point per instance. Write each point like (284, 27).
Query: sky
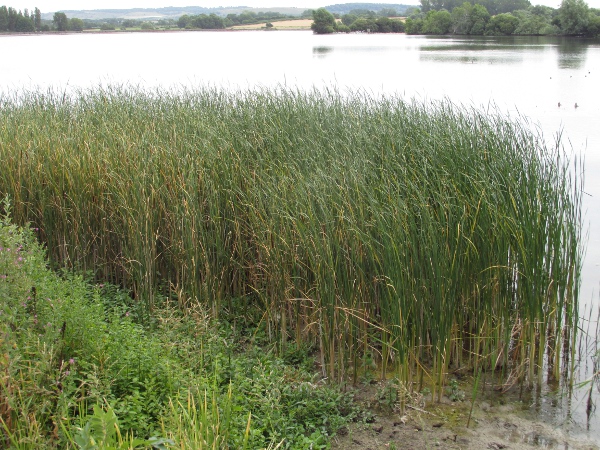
(58, 5)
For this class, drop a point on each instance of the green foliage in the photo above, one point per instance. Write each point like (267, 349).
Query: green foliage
(593, 28)
(414, 25)
(502, 24)
(573, 16)
(323, 22)
(201, 21)
(508, 17)
(437, 22)
(102, 432)
(372, 9)
(368, 21)
(469, 19)
(61, 22)
(76, 24)
(534, 22)
(492, 6)
(251, 17)
(454, 392)
(363, 24)
(15, 21)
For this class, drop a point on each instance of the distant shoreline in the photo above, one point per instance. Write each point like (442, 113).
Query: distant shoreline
(226, 30)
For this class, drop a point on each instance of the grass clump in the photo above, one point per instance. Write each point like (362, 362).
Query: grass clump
(427, 237)
(78, 370)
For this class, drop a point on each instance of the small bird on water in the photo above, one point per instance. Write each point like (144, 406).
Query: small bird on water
(576, 105)
(559, 104)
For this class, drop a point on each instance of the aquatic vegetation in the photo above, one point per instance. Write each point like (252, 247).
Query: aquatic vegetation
(427, 235)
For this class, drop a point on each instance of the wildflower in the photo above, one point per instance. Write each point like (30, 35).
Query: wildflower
(67, 373)
(72, 361)
(127, 314)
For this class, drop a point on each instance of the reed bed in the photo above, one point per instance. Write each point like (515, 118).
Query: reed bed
(433, 236)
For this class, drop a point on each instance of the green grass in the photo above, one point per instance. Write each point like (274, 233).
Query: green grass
(427, 236)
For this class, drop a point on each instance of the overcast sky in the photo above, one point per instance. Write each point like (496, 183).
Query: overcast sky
(58, 5)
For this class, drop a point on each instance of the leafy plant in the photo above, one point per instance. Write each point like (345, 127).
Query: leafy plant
(454, 392)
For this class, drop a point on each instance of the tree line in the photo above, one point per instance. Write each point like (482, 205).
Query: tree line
(360, 20)
(25, 21)
(214, 22)
(508, 17)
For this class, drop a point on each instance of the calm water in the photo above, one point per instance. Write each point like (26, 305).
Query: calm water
(521, 76)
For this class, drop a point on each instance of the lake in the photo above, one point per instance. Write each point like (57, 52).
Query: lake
(554, 82)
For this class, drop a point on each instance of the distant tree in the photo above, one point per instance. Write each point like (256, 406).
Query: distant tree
(414, 25)
(268, 25)
(437, 22)
(24, 24)
(502, 24)
(12, 19)
(3, 18)
(167, 23)
(388, 12)
(593, 28)
(573, 16)
(323, 22)
(147, 26)
(505, 6)
(129, 23)
(387, 25)
(37, 19)
(349, 19)
(183, 21)
(534, 24)
(75, 24)
(60, 21)
(307, 14)
(247, 17)
(437, 5)
(469, 19)
(207, 22)
(364, 24)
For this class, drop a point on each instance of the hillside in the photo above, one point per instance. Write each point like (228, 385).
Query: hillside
(174, 12)
(345, 8)
(170, 12)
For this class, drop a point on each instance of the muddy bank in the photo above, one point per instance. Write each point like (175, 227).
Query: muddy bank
(444, 425)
